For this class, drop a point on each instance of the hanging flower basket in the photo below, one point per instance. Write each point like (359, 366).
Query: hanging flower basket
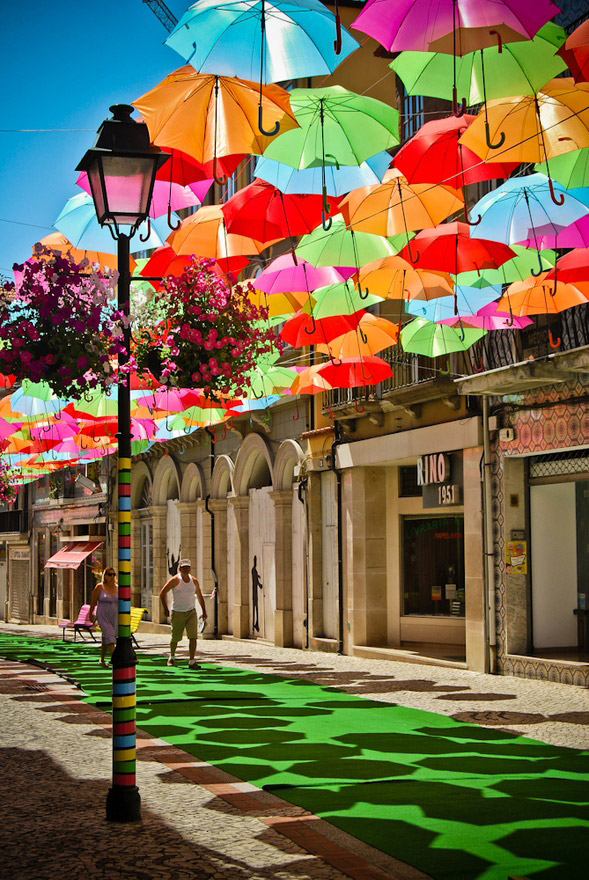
(59, 324)
(7, 490)
(206, 333)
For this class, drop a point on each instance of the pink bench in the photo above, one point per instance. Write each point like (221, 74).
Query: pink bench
(81, 625)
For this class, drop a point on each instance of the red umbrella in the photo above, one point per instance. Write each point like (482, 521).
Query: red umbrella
(575, 52)
(165, 261)
(183, 169)
(450, 248)
(434, 155)
(572, 268)
(355, 372)
(263, 212)
(302, 329)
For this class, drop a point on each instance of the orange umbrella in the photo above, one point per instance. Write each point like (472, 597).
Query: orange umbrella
(310, 381)
(532, 128)
(540, 296)
(372, 335)
(204, 234)
(58, 242)
(208, 116)
(395, 206)
(396, 278)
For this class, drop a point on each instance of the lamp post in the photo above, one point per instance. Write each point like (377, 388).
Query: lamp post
(121, 170)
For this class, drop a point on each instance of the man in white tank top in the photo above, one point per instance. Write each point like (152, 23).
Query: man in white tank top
(183, 588)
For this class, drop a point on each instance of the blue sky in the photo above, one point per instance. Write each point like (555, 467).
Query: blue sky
(63, 63)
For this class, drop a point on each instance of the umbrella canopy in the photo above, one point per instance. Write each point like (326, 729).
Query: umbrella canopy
(540, 296)
(396, 206)
(302, 330)
(282, 275)
(573, 267)
(339, 179)
(354, 372)
(451, 25)
(570, 169)
(205, 234)
(521, 204)
(278, 304)
(341, 246)
(489, 318)
(285, 39)
(262, 212)
(396, 278)
(373, 334)
(519, 69)
(573, 236)
(339, 299)
(208, 116)
(56, 241)
(337, 127)
(450, 248)
(466, 301)
(515, 269)
(434, 340)
(576, 52)
(435, 155)
(532, 128)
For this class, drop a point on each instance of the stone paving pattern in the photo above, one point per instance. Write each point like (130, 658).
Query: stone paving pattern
(197, 821)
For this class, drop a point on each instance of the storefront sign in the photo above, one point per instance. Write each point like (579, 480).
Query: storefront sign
(23, 553)
(440, 478)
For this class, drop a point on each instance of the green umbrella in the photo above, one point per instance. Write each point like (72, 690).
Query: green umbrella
(434, 340)
(515, 269)
(267, 379)
(340, 246)
(570, 169)
(339, 299)
(517, 69)
(337, 127)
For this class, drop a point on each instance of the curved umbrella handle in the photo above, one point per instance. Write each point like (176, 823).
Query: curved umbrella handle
(471, 222)
(294, 256)
(313, 327)
(458, 111)
(337, 362)
(509, 323)
(491, 145)
(337, 43)
(297, 415)
(363, 335)
(335, 162)
(220, 181)
(170, 224)
(366, 376)
(362, 294)
(558, 200)
(554, 343)
(257, 396)
(499, 40)
(148, 231)
(325, 221)
(461, 333)
(445, 371)
(358, 406)
(413, 259)
(535, 272)
(261, 128)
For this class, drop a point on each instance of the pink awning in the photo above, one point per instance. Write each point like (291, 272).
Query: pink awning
(72, 555)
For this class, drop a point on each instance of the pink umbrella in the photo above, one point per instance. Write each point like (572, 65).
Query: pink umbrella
(166, 196)
(282, 275)
(488, 318)
(458, 26)
(574, 236)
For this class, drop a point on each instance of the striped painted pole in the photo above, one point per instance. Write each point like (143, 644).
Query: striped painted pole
(123, 803)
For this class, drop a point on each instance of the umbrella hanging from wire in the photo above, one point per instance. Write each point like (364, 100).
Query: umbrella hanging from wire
(338, 179)
(205, 234)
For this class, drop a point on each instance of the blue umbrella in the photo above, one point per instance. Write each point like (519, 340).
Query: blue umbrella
(338, 179)
(77, 221)
(467, 301)
(513, 211)
(264, 41)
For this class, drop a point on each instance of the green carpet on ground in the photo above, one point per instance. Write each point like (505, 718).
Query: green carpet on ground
(455, 800)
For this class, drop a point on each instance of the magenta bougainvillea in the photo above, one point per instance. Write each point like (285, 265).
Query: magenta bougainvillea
(7, 490)
(59, 324)
(204, 332)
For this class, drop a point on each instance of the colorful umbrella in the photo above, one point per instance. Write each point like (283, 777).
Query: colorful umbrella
(572, 267)
(540, 296)
(466, 301)
(340, 246)
(339, 179)
(421, 336)
(56, 241)
(458, 26)
(205, 234)
(450, 248)
(373, 334)
(570, 169)
(208, 116)
(489, 318)
(262, 212)
(515, 269)
(576, 52)
(354, 372)
(302, 330)
(435, 155)
(395, 278)
(573, 236)
(339, 299)
(278, 304)
(395, 206)
(283, 275)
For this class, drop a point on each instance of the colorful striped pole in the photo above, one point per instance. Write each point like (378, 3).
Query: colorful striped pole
(123, 803)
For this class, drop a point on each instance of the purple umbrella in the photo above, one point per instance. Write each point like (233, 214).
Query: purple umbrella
(488, 318)
(283, 275)
(573, 236)
(457, 26)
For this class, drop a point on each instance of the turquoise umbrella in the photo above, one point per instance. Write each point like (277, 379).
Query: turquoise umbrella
(467, 301)
(339, 179)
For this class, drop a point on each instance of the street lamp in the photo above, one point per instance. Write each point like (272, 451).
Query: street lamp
(121, 168)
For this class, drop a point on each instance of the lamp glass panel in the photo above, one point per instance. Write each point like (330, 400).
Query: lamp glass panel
(95, 179)
(128, 184)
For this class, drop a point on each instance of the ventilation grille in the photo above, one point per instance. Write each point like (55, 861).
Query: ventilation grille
(558, 463)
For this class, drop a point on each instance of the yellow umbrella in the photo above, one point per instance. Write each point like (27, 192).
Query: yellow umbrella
(279, 303)
(395, 206)
(373, 334)
(532, 128)
(396, 278)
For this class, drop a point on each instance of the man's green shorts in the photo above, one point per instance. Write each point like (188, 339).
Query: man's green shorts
(184, 620)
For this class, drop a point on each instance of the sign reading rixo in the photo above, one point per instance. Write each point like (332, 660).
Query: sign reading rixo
(440, 478)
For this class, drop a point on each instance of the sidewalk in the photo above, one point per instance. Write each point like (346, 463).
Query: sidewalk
(198, 821)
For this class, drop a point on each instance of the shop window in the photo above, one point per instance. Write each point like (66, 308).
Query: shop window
(433, 566)
(408, 487)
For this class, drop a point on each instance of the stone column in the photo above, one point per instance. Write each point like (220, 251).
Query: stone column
(187, 511)
(219, 509)
(283, 567)
(315, 551)
(238, 507)
(474, 561)
(160, 565)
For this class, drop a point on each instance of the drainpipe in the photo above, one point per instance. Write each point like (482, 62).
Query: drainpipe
(488, 542)
(340, 567)
(302, 488)
(213, 570)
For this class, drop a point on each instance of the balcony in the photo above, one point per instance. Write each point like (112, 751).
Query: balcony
(13, 521)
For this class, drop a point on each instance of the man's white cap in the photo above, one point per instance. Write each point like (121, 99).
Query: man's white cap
(184, 562)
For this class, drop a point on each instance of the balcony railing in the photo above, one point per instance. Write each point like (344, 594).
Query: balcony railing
(13, 521)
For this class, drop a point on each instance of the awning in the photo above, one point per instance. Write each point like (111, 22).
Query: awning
(72, 555)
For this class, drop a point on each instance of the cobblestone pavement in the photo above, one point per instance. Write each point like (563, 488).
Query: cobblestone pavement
(196, 820)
